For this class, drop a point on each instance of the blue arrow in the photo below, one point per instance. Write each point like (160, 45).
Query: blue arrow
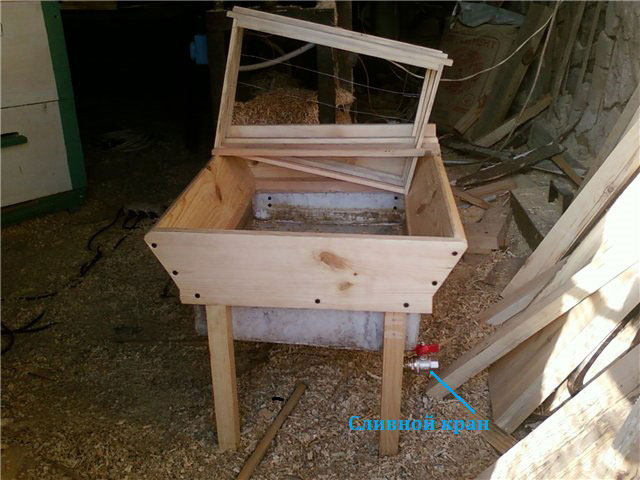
(452, 392)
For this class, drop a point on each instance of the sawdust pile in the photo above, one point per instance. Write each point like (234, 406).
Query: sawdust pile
(288, 105)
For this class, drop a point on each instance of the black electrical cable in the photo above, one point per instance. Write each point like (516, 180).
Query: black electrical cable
(103, 229)
(28, 328)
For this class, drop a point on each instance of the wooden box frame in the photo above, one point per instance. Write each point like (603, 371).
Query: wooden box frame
(313, 148)
(213, 261)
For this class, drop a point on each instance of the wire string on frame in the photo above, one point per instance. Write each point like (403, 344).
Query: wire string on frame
(404, 94)
(359, 112)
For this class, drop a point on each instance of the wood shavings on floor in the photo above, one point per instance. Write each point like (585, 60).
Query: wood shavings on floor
(120, 386)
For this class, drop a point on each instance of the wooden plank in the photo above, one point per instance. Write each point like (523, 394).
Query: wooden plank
(357, 130)
(617, 347)
(317, 150)
(516, 120)
(622, 460)
(470, 199)
(588, 204)
(420, 110)
(563, 165)
(567, 444)
(430, 207)
(475, 150)
(490, 233)
(310, 185)
(468, 119)
(408, 141)
(519, 299)
(511, 166)
(495, 436)
(338, 38)
(263, 445)
(312, 35)
(589, 44)
(380, 172)
(510, 74)
(306, 270)
(431, 96)
(548, 357)
(341, 32)
(223, 375)
(613, 230)
(531, 320)
(329, 170)
(534, 215)
(431, 81)
(218, 197)
(569, 44)
(270, 178)
(627, 120)
(362, 167)
(497, 187)
(392, 366)
(228, 96)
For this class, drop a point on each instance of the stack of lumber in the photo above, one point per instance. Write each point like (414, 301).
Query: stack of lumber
(567, 337)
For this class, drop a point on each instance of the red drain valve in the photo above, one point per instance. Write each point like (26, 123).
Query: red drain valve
(424, 349)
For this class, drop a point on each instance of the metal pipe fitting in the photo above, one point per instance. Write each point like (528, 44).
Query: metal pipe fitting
(422, 364)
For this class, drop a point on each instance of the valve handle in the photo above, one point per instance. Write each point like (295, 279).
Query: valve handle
(424, 349)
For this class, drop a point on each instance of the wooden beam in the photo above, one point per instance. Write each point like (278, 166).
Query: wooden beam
(569, 44)
(317, 150)
(360, 131)
(613, 231)
(495, 436)
(498, 187)
(336, 38)
(470, 199)
(531, 320)
(549, 356)
(570, 442)
(605, 185)
(519, 299)
(505, 128)
(339, 171)
(223, 376)
(589, 44)
(263, 445)
(511, 166)
(469, 118)
(392, 365)
(563, 165)
(228, 97)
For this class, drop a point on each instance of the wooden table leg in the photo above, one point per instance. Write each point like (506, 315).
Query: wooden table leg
(223, 376)
(392, 365)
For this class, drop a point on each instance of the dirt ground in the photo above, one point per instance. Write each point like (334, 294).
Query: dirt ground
(119, 386)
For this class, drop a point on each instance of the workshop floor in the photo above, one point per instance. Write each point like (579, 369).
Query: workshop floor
(119, 385)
